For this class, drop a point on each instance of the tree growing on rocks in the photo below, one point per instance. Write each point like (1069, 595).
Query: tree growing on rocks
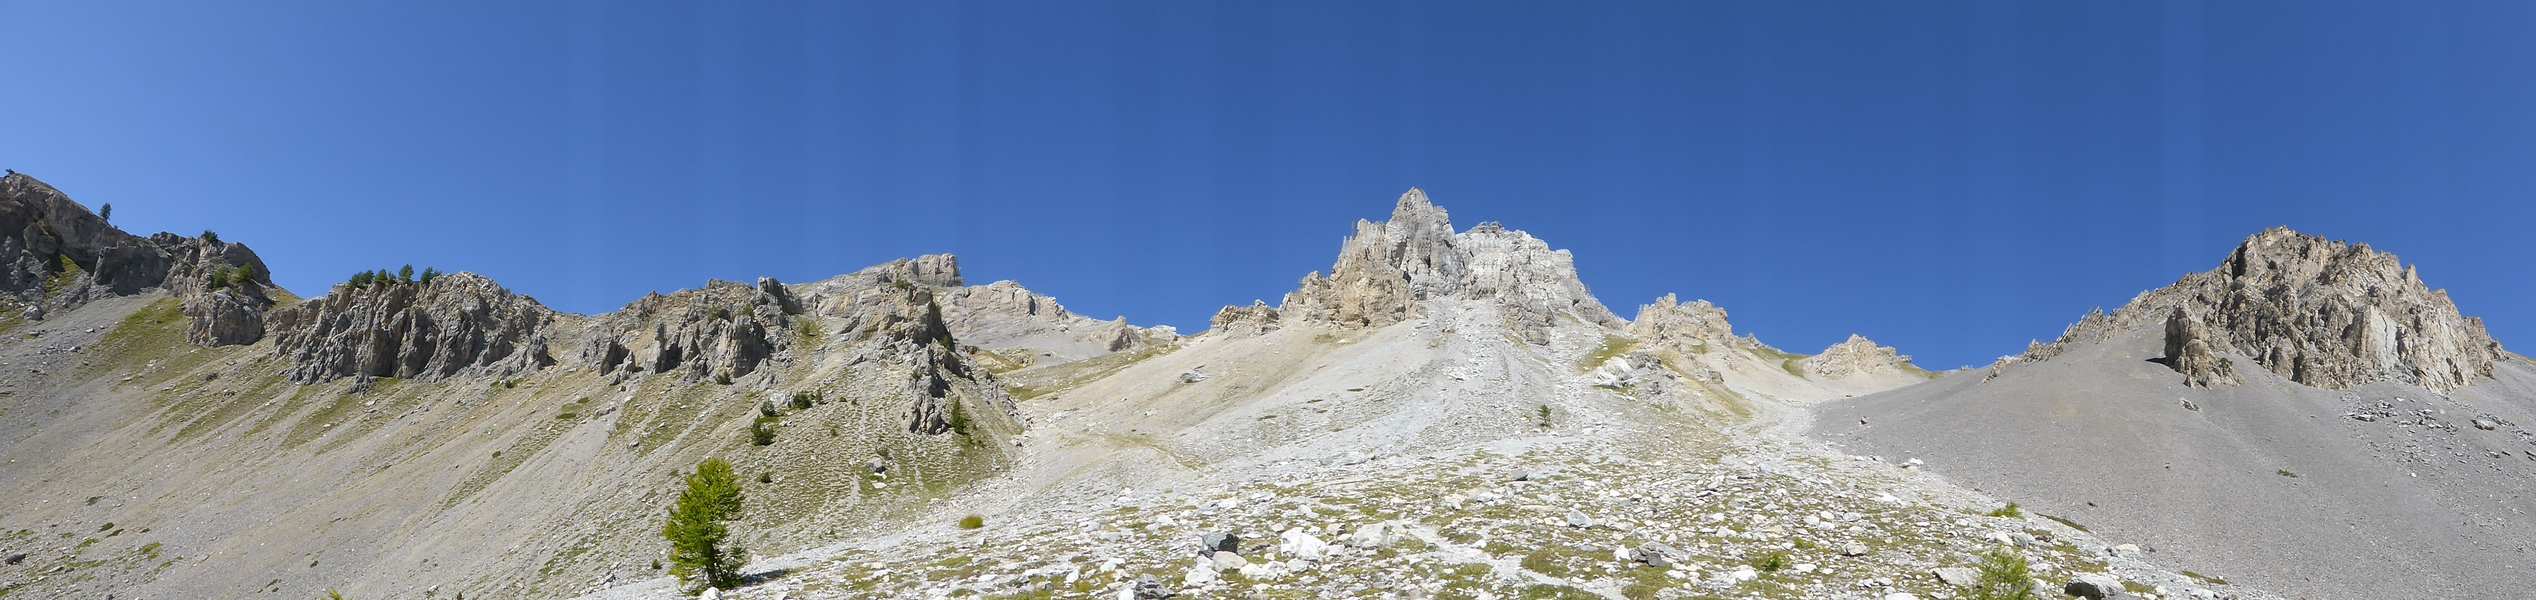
(699, 539)
(2005, 575)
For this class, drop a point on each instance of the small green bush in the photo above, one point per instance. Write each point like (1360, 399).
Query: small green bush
(762, 431)
(2289, 473)
(1545, 416)
(2009, 512)
(803, 400)
(723, 378)
(1772, 562)
(972, 521)
(2004, 576)
(211, 237)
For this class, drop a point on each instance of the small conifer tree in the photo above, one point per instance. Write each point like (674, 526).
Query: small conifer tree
(699, 540)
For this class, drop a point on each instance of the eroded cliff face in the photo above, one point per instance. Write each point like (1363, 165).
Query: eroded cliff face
(2315, 311)
(453, 325)
(56, 254)
(724, 330)
(1385, 271)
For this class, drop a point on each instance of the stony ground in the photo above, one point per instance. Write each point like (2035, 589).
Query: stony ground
(1542, 518)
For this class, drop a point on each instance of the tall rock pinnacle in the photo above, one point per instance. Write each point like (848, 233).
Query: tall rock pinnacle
(1386, 271)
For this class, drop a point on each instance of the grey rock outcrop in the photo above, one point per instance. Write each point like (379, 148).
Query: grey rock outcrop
(1259, 317)
(1386, 271)
(724, 330)
(1695, 327)
(1854, 356)
(2315, 311)
(462, 323)
(2188, 351)
(225, 317)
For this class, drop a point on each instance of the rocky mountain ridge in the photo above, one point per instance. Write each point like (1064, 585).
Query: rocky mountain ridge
(2319, 312)
(56, 254)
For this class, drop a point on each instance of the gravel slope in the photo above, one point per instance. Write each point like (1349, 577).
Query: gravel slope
(2269, 483)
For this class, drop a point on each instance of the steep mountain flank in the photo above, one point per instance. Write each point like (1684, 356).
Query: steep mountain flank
(2256, 422)
(1385, 270)
(2316, 311)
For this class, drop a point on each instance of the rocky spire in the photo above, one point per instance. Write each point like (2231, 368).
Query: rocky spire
(1386, 271)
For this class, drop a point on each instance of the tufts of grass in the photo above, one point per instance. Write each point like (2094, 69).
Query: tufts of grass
(1546, 561)
(2008, 512)
(1771, 563)
(1612, 347)
(2288, 473)
(973, 522)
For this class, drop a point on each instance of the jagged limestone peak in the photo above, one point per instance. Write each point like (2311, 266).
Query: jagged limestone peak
(2316, 311)
(1386, 271)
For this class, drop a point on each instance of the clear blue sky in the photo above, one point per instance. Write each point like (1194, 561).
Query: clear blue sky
(1950, 178)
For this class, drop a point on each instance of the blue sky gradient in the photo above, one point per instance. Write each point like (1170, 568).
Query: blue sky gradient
(1950, 178)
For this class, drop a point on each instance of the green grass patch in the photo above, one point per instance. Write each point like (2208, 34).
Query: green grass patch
(1612, 347)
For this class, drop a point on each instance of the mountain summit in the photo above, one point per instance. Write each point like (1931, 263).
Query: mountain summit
(2319, 312)
(1385, 270)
